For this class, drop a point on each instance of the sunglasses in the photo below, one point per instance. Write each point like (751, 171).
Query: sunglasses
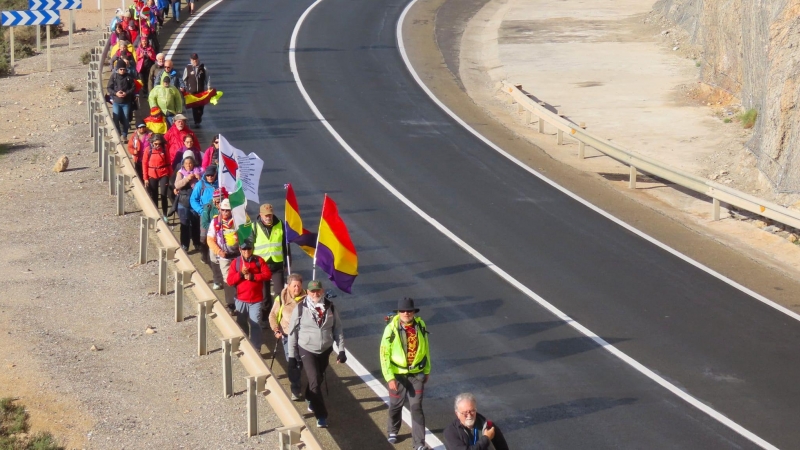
(406, 312)
(216, 142)
(156, 144)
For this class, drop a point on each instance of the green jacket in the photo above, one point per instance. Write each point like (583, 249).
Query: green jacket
(394, 346)
(169, 99)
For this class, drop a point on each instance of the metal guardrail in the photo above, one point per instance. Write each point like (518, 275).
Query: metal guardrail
(638, 162)
(118, 169)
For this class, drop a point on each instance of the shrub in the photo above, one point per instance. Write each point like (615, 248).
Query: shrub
(748, 118)
(69, 88)
(85, 58)
(727, 120)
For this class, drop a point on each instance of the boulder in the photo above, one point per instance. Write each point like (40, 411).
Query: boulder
(62, 164)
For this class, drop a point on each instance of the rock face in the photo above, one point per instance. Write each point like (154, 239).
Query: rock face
(751, 49)
(62, 164)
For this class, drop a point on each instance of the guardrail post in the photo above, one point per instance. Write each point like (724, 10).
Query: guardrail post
(145, 224)
(96, 122)
(289, 437)
(164, 255)
(541, 125)
(122, 181)
(527, 117)
(255, 385)
(581, 144)
(559, 137)
(112, 174)
(229, 346)
(182, 278)
(715, 208)
(203, 314)
(632, 180)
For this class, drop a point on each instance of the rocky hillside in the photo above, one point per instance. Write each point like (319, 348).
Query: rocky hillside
(751, 49)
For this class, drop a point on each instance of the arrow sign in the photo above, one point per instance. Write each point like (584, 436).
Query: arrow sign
(16, 18)
(51, 5)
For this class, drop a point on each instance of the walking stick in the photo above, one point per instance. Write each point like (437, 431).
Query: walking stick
(274, 351)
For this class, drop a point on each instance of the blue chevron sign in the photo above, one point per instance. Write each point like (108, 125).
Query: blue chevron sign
(15, 18)
(50, 5)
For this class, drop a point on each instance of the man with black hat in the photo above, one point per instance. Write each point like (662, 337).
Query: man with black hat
(316, 323)
(196, 80)
(405, 364)
(121, 88)
(247, 274)
(270, 244)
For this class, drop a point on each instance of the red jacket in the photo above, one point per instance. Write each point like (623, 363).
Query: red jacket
(155, 163)
(174, 139)
(249, 291)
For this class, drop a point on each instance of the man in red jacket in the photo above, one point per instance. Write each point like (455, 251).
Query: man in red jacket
(247, 274)
(177, 133)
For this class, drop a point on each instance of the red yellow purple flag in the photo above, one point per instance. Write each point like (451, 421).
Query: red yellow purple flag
(336, 254)
(294, 225)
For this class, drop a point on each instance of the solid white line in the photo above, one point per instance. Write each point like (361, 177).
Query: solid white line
(186, 26)
(377, 386)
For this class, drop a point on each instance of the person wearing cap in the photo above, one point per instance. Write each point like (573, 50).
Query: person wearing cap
(167, 98)
(315, 326)
(186, 179)
(211, 155)
(177, 134)
(210, 210)
(405, 365)
(470, 430)
(195, 80)
(136, 145)
(176, 156)
(156, 122)
(247, 274)
(156, 169)
(270, 244)
(223, 243)
(279, 315)
(121, 88)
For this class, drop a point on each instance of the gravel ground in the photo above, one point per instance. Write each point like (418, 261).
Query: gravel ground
(70, 282)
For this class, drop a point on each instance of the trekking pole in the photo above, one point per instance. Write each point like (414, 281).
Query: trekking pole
(274, 351)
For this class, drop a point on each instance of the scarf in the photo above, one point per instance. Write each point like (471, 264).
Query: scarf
(318, 311)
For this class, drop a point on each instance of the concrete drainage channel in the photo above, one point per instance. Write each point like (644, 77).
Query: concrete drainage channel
(118, 170)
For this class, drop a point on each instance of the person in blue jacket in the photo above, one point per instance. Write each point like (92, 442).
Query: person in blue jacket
(202, 194)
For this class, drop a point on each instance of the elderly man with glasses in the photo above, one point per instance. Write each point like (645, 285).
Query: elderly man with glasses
(470, 430)
(405, 364)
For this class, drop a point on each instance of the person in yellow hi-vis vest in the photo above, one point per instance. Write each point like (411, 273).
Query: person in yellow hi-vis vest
(270, 245)
(282, 309)
(406, 365)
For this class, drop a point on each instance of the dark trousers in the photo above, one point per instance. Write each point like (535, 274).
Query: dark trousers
(197, 114)
(138, 168)
(272, 288)
(156, 186)
(315, 366)
(190, 227)
(409, 387)
(293, 371)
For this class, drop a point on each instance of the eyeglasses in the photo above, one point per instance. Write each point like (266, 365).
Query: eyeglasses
(216, 142)
(471, 412)
(156, 144)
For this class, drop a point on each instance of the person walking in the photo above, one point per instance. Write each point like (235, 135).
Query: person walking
(271, 246)
(223, 243)
(186, 179)
(211, 155)
(195, 80)
(176, 10)
(247, 274)
(156, 122)
(470, 430)
(315, 326)
(176, 157)
(121, 88)
(153, 78)
(203, 195)
(405, 365)
(176, 136)
(136, 145)
(167, 98)
(210, 210)
(279, 321)
(156, 169)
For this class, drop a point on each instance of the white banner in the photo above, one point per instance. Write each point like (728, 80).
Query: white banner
(235, 164)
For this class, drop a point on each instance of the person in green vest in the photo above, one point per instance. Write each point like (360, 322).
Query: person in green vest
(282, 309)
(270, 245)
(406, 365)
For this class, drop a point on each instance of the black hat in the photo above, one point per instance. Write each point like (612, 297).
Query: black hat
(246, 245)
(406, 304)
(210, 170)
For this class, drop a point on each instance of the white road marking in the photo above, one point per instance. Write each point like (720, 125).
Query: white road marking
(376, 385)
(186, 27)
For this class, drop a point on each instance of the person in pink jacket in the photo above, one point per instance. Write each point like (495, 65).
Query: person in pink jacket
(211, 155)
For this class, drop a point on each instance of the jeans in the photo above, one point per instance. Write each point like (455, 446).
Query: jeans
(176, 9)
(247, 318)
(122, 118)
(410, 386)
(293, 372)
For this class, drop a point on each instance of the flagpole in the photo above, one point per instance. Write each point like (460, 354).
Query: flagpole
(288, 256)
(314, 270)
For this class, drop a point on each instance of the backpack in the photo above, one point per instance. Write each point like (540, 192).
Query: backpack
(237, 264)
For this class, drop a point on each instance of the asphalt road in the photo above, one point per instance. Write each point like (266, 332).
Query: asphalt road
(543, 382)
